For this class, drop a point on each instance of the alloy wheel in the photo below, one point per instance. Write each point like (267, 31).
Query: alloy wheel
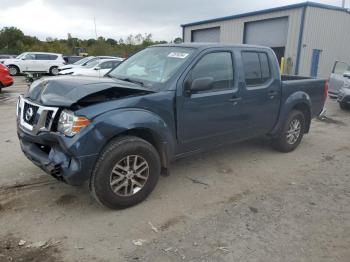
(129, 175)
(293, 132)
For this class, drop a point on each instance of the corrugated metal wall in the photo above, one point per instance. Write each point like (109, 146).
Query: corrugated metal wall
(232, 30)
(329, 31)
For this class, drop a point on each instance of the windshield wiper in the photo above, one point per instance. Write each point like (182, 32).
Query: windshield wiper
(127, 80)
(132, 81)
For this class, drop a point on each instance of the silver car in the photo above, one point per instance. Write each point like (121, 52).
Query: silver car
(340, 78)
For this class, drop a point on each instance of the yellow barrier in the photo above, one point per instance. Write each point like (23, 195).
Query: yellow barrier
(282, 65)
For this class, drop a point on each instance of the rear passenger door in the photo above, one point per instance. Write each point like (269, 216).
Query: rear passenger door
(261, 90)
(41, 63)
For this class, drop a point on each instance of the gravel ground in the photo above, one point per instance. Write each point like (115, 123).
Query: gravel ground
(244, 202)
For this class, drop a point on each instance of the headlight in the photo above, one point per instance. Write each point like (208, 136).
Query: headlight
(18, 107)
(69, 124)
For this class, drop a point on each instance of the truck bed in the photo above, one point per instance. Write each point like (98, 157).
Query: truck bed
(314, 88)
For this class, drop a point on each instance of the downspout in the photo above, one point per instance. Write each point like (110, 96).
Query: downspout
(300, 43)
(183, 34)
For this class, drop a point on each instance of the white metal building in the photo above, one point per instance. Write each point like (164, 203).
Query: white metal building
(310, 36)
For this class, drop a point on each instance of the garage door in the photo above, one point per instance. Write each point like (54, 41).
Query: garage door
(208, 35)
(271, 33)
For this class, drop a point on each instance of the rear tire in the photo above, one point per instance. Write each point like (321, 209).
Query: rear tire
(344, 106)
(291, 133)
(54, 71)
(117, 181)
(13, 70)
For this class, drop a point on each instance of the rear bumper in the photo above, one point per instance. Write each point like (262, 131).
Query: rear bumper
(6, 81)
(51, 153)
(344, 96)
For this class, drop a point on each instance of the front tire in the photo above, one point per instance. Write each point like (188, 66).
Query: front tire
(291, 133)
(126, 173)
(13, 70)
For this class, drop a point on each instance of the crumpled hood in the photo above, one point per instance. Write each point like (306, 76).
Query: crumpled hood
(67, 90)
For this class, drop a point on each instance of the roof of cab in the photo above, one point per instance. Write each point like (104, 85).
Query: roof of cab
(211, 45)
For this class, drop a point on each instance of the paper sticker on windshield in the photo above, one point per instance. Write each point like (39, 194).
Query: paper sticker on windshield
(178, 55)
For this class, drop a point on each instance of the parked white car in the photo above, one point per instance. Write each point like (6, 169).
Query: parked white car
(85, 61)
(97, 68)
(35, 62)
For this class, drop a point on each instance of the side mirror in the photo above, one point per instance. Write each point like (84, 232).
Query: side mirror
(97, 68)
(202, 84)
(23, 58)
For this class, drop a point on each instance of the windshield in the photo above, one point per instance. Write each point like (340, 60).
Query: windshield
(82, 61)
(91, 60)
(154, 64)
(21, 55)
(92, 64)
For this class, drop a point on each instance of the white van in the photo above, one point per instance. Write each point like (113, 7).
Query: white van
(35, 62)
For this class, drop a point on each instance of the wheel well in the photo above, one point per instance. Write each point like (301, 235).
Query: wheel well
(151, 138)
(19, 70)
(305, 109)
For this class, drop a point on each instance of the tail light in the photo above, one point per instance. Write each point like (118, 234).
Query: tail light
(325, 90)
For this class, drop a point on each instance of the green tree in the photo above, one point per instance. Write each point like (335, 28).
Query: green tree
(11, 40)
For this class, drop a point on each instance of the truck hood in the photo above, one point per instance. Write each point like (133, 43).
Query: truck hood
(65, 91)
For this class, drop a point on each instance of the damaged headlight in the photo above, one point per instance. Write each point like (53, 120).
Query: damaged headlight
(70, 124)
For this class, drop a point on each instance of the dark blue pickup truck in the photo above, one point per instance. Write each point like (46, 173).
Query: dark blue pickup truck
(120, 132)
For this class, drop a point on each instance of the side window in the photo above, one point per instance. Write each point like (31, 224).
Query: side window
(29, 57)
(115, 63)
(217, 65)
(256, 68)
(265, 67)
(106, 65)
(340, 68)
(52, 57)
(41, 57)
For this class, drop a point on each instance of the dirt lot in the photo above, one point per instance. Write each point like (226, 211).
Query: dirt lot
(244, 202)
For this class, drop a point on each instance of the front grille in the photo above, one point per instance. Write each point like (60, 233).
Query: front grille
(49, 119)
(34, 117)
(30, 113)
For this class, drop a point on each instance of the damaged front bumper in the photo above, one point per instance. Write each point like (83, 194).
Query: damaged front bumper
(51, 152)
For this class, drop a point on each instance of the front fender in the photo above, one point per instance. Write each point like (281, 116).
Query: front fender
(296, 99)
(92, 139)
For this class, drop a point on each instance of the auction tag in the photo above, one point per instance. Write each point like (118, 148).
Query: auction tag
(178, 55)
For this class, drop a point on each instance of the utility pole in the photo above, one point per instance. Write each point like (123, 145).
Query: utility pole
(343, 4)
(96, 29)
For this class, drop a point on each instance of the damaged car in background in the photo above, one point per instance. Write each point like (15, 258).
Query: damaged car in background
(339, 84)
(120, 132)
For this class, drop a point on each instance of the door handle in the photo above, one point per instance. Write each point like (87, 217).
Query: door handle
(272, 94)
(235, 100)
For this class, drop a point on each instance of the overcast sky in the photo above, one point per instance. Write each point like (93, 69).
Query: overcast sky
(119, 18)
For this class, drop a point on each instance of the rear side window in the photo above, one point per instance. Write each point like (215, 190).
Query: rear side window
(106, 65)
(218, 66)
(256, 68)
(52, 57)
(45, 57)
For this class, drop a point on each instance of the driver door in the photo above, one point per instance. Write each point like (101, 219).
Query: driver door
(28, 63)
(210, 116)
